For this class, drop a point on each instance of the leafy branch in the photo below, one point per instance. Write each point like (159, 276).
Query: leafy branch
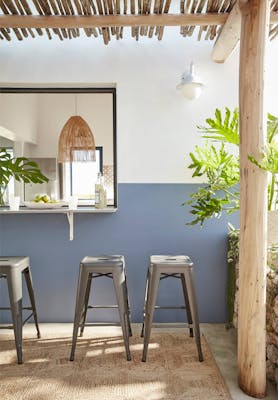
(220, 194)
(223, 129)
(220, 168)
(269, 163)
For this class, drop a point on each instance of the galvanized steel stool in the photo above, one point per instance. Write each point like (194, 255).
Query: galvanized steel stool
(95, 267)
(11, 268)
(165, 266)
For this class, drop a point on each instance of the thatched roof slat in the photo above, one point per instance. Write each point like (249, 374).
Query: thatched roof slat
(165, 11)
(155, 11)
(273, 32)
(5, 10)
(84, 8)
(104, 31)
(22, 9)
(11, 6)
(41, 12)
(28, 11)
(5, 33)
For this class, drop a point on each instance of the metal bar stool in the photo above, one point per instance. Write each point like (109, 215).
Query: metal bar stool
(11, 268)
(94, 267)
(165, 266)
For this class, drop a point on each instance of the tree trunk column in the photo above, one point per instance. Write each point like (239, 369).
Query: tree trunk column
(253, 199)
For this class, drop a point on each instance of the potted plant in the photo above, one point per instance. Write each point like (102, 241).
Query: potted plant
(21, 169)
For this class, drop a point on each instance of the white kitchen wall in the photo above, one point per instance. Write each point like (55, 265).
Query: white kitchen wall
(18, 115)
(55, 109)
(156, 125)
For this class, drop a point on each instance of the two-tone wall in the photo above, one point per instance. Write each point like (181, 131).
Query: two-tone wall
(150, 220)
(156, 131)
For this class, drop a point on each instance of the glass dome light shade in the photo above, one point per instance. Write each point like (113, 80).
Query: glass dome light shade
(191, 85)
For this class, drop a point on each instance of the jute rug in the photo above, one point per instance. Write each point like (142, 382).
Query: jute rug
(100, 371)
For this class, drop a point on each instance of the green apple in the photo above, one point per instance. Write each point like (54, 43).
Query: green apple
(37, 198)
(46, 198)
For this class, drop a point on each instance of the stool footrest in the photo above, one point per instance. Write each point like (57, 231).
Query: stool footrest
(174, 275)
(170, 307)
(9, 308)
(11, 326)
(7, 327)
(100, 306)
(26, 319)
(165, 325)
(100, 324)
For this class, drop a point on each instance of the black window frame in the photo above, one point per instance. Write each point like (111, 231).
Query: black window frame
(85, 89)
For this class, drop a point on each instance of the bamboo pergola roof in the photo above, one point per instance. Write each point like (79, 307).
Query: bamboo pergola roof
(107, 18)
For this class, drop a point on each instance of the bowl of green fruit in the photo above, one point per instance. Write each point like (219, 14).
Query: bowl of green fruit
(44, 201)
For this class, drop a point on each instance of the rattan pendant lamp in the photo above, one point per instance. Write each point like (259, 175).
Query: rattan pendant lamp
(76, 141)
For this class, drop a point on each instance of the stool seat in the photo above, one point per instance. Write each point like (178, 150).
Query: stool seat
(111, 266)
(170, 260)
(166, 266)
(103, 261)
(11, 268)
(6, 263)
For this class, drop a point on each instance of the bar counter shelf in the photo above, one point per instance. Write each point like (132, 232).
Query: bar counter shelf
(62, 210)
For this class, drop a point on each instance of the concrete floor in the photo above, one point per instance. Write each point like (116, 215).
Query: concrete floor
(222, 343)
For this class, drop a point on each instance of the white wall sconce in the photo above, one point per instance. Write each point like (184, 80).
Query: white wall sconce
(191, 86)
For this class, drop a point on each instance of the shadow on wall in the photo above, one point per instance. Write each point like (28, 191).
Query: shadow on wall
(150, 220)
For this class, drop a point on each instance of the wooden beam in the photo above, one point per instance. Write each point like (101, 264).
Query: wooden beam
(229, 36)
(88, 21)
(253, 199)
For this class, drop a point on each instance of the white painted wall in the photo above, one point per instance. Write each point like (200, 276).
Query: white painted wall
(156, 126)
(55, 109)
(18, 115)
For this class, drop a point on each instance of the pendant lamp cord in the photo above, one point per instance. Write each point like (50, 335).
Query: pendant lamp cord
(75, 103)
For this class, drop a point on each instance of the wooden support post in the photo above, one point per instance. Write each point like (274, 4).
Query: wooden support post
(253, 200)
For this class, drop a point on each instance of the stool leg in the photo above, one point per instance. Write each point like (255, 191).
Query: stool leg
(14, 280)
(29, 283)
(145, 302)
(80, 298)
(127, 305)
(154, 279)
(87, 296)
(189, 279)
(187, 306)
(119, 285)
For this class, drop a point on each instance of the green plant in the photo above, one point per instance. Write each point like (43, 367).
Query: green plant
(21, 169)
(232, 275)
(220, 167)
(232, 259)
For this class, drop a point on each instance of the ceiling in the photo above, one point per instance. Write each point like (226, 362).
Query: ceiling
(44, 12)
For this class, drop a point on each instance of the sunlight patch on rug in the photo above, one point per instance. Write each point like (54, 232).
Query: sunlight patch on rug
(101, 372)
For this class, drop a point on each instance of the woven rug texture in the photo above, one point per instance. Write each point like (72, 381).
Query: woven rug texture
(101, 372)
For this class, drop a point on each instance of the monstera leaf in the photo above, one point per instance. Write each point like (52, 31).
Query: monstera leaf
(21, 169)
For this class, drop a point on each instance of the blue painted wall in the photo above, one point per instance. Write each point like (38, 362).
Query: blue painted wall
(150, 220)
(1, 233)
